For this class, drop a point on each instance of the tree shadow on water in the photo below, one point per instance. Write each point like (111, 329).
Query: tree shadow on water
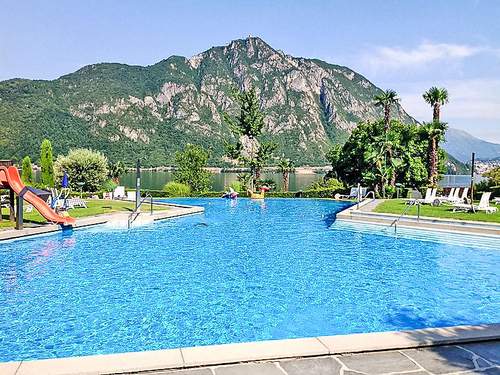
(329, 219)
(406, 318)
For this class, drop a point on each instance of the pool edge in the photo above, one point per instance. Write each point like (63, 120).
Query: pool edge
(200, 356)
(85, 222)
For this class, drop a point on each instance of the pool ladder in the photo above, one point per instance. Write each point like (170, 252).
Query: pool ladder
(396, 221)
(135, 214)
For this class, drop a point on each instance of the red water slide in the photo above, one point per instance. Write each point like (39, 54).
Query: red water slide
(9, 178)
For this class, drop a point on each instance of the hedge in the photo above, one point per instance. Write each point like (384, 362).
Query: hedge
(316, 193)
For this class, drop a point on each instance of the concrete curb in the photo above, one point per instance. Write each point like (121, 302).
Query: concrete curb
(252, 351)
(175, 211)
(425, 222)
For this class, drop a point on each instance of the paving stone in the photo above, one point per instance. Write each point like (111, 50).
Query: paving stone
(488, 350)
(491, 371)
(249, 369)
(393, 373)
(197, 371)
(442, 359)
(316, 366)
(378, 363)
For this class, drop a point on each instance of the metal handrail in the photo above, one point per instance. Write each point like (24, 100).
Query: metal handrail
(367, 194)
(361, 198)
(396, 221)
(135, 214)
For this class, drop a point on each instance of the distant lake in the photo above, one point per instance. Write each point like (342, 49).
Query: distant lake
(156, 180)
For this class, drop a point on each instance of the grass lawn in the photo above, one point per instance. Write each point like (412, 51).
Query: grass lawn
(94, 207)
(397, 206)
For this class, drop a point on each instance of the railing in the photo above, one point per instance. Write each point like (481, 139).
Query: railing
(370, 192)
(396, 221)
(361, 198)
(136, 212)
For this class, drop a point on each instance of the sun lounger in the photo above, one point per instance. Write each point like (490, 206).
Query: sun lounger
(353, 194)
(484, 205)
(448, 198)
(456, 197)
(430, 198)
(74, 203)
(463, 197)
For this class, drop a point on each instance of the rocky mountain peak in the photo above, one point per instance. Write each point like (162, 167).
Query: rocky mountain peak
(309, 104)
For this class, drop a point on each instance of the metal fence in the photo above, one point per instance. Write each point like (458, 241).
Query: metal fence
(459, 180)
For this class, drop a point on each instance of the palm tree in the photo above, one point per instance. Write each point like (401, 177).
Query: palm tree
(434, 131)
(386, 99)
(286, 167)
(436, 97)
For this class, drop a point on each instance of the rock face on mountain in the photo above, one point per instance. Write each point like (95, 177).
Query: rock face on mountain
(131, 112)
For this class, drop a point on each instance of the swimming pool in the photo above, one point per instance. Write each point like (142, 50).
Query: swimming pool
(243, 271)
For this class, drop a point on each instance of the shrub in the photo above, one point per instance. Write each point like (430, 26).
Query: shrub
(326, 183)
(390, 191)
(84, 167)
(176, 189)
(236, 185)
(27, 172)
(47, 163)
(109, 186)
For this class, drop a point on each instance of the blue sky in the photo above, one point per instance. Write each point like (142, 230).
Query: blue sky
(404, 45)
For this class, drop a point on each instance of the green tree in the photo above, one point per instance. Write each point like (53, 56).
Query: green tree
(190, 168)
(285, 166)
(362, 159)
(116, 170)
(436, 97)
(27, 171)
(249, 150)
(493, 176)
(85, 168)
(47, 163)
(435, 132)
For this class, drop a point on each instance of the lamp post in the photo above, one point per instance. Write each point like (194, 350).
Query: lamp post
(472, 180)
(138, 184)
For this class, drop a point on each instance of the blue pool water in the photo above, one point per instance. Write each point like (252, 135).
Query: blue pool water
(243, 271)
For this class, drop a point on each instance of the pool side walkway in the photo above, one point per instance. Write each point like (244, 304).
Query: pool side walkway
(364, 213)
(476, 358)
(120, 218)
(424, 351)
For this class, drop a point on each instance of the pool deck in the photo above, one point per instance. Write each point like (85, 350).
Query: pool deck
(174, 210)
(364, 213)
(424, 351)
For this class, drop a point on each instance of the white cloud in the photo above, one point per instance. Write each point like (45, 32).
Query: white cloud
(423, 54)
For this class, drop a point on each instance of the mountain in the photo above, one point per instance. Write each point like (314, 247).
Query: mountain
(461, 144)
(131, 112)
